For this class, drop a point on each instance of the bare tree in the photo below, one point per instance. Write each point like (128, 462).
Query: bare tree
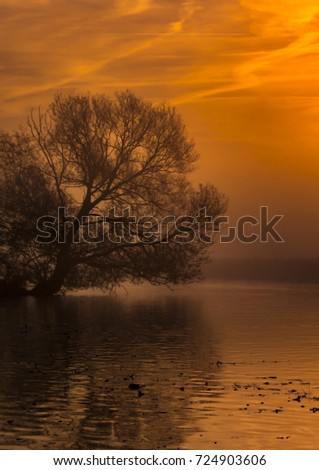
(91, 155)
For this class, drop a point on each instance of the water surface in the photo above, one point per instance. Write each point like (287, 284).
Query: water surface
(227, 366)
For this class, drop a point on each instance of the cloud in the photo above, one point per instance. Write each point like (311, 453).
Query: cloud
(186, 50)
(132, 7)
(284, 17)
(274, 56)
(15, 3)
(43, 49)
(188, 9)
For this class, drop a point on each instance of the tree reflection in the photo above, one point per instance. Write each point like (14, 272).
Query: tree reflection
(67, 366)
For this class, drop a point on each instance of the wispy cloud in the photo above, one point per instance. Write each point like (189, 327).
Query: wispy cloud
(185, 51)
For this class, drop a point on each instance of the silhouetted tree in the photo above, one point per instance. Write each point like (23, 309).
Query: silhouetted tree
(93, 155)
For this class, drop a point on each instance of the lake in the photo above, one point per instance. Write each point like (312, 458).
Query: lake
(210, 366)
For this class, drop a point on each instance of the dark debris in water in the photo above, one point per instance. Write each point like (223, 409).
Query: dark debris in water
(134, 386)
(270, 388)
(298, 398)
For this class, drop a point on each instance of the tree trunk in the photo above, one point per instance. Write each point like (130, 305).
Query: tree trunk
(63, 265)
(53, 285)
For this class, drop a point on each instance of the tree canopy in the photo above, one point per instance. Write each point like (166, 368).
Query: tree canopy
(94, 156)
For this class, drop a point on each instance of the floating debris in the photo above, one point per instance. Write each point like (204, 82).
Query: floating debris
(298, 398)
(134, 386)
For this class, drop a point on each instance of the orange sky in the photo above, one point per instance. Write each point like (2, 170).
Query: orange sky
(243, 73)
